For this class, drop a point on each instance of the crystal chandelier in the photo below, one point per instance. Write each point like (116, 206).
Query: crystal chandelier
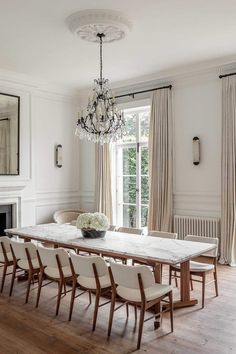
(101, 121)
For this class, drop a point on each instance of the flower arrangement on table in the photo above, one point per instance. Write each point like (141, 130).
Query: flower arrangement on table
(92, 225)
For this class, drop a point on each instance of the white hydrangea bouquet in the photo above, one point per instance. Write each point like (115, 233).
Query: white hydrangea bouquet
(92, 225)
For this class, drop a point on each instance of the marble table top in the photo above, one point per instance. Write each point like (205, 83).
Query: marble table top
(146, 248)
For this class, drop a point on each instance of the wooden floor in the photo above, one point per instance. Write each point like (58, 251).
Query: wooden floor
(23, 329)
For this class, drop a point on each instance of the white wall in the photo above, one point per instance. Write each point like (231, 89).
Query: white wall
(47, 118)
(196, 112)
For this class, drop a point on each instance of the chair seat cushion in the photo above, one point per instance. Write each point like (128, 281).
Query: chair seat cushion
(54, 272)
(197, 266)
(155, 291)
(90, 283)
(23, 263)
(9, 257)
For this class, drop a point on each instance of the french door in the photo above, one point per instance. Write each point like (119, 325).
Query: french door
(132, 170)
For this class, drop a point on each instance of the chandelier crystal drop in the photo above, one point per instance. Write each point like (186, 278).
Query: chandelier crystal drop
(101, 121)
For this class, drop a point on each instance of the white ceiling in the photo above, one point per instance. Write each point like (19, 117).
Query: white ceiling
(34, 39)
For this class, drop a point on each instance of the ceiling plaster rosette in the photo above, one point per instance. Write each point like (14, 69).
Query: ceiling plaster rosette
(88, 23)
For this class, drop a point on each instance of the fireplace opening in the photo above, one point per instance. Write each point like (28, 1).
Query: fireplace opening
(5, 218)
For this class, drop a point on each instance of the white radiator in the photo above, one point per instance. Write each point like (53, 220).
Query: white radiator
(194, 225)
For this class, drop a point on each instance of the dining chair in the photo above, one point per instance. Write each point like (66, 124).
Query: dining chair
(112, 228)
(55, 266)
(136, 286)
(129, 230)
(163, 234)
(24, 258)
(200, 269)
(6, 257)
(91, 274)
(66, 215)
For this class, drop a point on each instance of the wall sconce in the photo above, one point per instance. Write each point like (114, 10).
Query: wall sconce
(196, 150)
(59, 155)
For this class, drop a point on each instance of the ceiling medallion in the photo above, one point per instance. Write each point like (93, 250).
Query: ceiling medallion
(88, 23)
(101, 121)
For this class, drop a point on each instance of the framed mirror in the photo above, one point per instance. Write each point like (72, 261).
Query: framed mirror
(9, 134)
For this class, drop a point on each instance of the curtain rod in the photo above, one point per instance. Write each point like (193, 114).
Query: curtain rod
(221, 76)
(138, 92)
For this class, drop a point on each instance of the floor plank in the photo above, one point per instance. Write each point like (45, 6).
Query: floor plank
(26, 330)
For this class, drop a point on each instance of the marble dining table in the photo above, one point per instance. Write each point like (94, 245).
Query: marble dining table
(151, 250)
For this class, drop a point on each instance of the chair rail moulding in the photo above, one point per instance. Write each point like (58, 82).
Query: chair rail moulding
(48, 198)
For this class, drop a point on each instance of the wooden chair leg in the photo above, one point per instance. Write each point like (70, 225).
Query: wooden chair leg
(13, 278)
(135, 313)
(127, 310)
(176, 280)
(60, 286)
(72, 298)
(203, 289)
(96, 309)
(3, 276)
(191, 282)
(30, 275)
(216, 282)
(171, 311)
(39, 288)
(140, 330)
(90, 297)
(65, 288)
(170, 275)
(112, 309)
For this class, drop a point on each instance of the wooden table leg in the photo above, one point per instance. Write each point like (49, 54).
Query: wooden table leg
(185, 299)
(157, 307)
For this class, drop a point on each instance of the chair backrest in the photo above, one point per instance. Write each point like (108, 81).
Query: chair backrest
(19, 249)
(130, 230)
(112, 228)
(127, 276)
(49, 259)
(66, 216)
(5, 241)
(83, 265)
(163, 234)
(205, 239)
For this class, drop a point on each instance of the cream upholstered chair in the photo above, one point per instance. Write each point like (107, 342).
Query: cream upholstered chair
(91, 274)
(54, 265)
(66, 216)
(6, 257)
(112, 228)
(129, 230)
(199, 269)
(24, 258)
(163, 234)
(136, 285)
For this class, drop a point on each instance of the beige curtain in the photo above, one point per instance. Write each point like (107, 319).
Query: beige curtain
(160, 162)
(228, 172)
(103, 190)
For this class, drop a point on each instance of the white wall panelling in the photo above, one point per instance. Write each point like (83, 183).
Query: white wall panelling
(47, 118)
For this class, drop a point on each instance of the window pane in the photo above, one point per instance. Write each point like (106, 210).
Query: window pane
(144, 125)
(129, 215)
(130, 127)
(144, 214)
(129, 189)
(129, 161)
(144, 161)
(144, 190)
